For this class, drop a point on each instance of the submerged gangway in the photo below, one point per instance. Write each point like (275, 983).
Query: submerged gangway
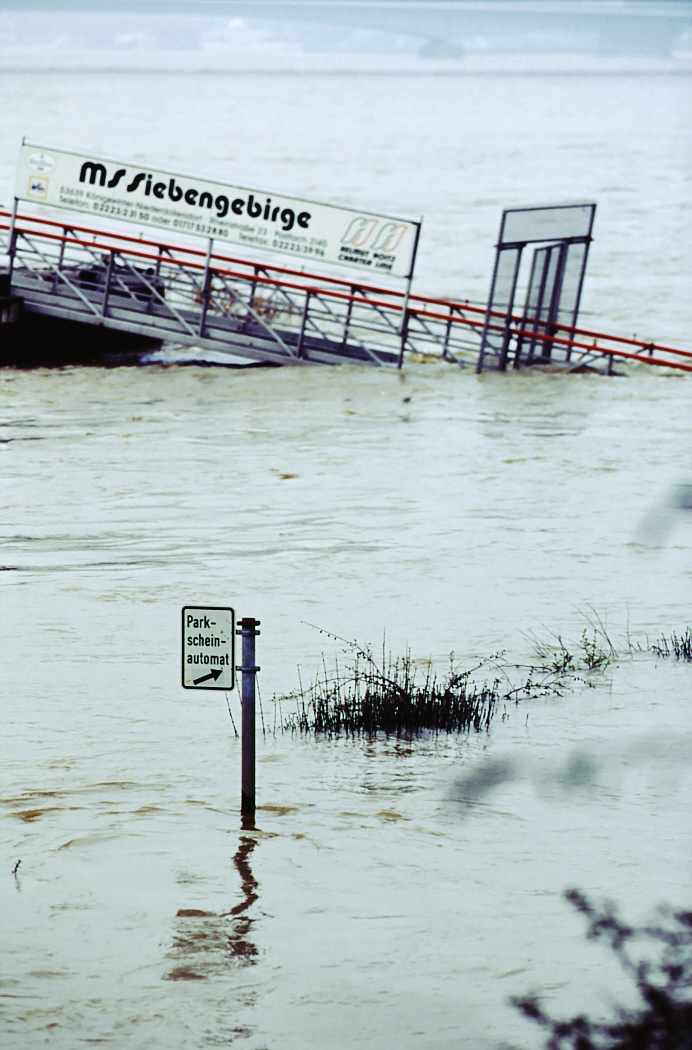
(275, 314)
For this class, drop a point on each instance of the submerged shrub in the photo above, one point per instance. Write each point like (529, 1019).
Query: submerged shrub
(396, 699)
(595, 656)
(594, 651)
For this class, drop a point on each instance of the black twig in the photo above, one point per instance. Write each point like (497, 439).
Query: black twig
(259, 697)
(228, 702)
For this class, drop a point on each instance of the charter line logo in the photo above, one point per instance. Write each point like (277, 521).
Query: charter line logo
(385, 236)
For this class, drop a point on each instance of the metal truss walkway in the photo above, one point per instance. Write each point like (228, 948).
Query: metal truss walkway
(269, 313)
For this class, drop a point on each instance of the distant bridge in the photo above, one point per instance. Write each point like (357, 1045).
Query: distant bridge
(262, 312)
(615, 27)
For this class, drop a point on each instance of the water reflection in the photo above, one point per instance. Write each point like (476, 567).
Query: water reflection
(206, 943)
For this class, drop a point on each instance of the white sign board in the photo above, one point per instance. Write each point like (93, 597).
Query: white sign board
(208, 647)
(376, 244)
(546, 222)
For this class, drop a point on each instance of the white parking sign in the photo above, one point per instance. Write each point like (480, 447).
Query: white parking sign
(208, 647)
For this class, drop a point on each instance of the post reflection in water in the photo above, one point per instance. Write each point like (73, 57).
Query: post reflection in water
(206, 943)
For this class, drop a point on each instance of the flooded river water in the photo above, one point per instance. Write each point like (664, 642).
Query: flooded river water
(380, 902)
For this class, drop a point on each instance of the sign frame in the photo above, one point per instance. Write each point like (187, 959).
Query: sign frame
(578, 220)
(207, 640)
(255, 219)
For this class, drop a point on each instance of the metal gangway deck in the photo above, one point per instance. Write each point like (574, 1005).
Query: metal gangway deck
(267, 313)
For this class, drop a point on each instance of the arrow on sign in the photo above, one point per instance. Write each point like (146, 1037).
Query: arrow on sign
(206, 677)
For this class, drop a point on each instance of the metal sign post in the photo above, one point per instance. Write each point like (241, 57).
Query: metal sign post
(248, 632)
(208, 652)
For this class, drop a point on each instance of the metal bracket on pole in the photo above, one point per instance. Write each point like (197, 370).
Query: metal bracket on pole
(247, 629)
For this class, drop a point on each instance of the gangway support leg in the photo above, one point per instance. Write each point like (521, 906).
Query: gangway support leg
(349, 311)
(303, 323)
(12, 240)
(404, 337)
(107, 284)
(206, 288)
(61, 259)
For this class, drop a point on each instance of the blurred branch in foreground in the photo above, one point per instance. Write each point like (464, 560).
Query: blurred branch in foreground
(663, 1020)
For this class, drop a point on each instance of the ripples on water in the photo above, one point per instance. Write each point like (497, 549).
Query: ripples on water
(455, 149)
(394, 893)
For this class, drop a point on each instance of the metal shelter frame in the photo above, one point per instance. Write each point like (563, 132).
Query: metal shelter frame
(555, 282)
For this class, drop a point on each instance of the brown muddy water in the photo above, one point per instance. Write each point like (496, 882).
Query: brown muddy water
(394, 893)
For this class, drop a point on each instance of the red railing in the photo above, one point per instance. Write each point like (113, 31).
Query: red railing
(354, 291)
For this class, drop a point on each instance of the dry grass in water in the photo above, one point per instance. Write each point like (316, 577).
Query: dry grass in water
(680, 648)
(399, 697)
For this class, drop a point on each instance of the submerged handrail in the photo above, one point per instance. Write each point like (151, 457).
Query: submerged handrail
(371, 300)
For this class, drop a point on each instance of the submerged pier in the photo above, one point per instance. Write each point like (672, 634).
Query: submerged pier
(108, 285)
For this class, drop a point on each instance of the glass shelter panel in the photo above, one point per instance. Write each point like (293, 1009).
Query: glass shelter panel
(571, 284)
(505, 279)
(542, 301)
(501, 300)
